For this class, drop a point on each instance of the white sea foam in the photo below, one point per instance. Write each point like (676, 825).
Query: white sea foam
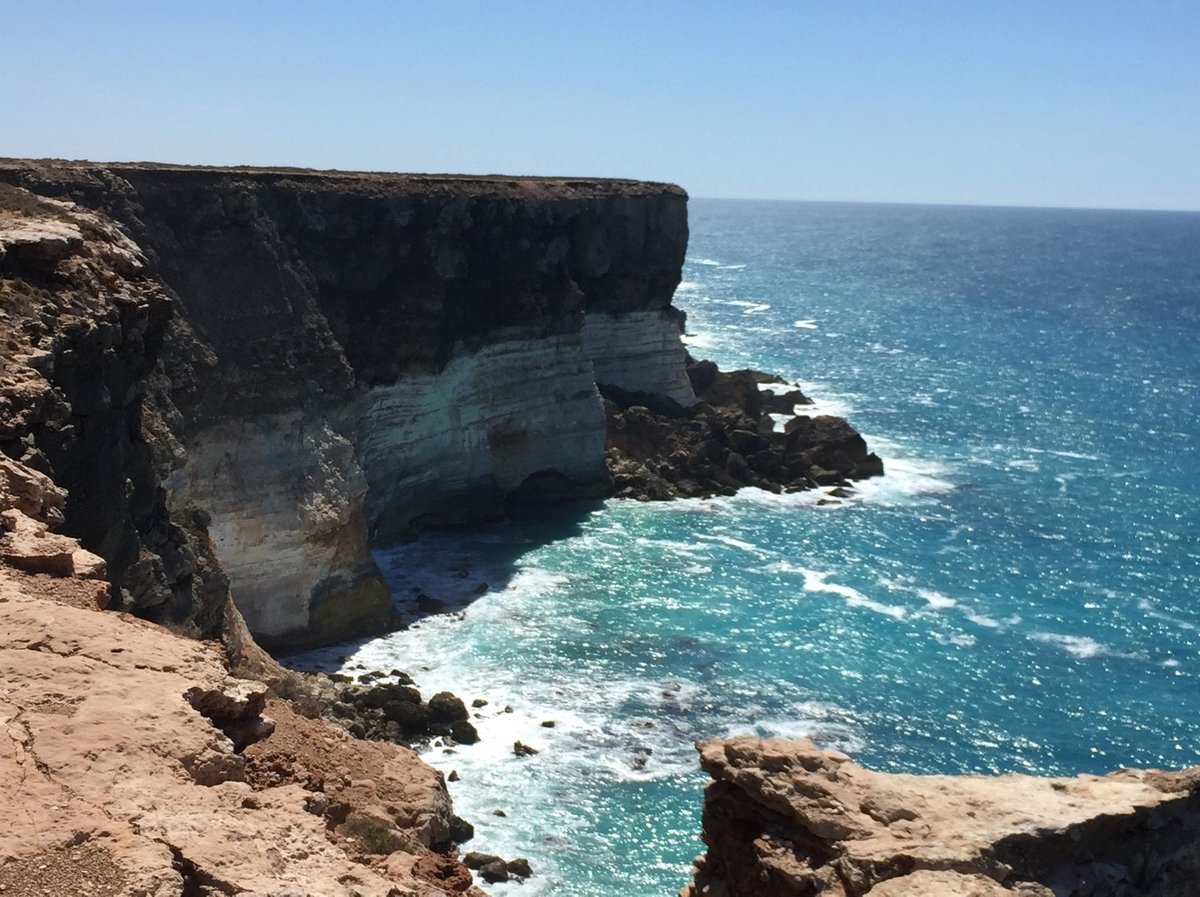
(905, 479)
(777, 388)
(959, 639)
(825, 402)
(825, 732)
(1076, 456)
(671, 546)
(700, 340)
(749, 547)
(816, 582)
(712, 263)
(936, 599)
(806, 324)
(748, 307)
(1150, 610)
(1080, 646)
(778, 421)
(939, 601)
(984, 620)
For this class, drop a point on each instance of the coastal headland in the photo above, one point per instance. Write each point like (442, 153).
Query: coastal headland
(220, 387)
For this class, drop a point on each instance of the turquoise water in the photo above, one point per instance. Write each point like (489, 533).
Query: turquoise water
(1019, 593)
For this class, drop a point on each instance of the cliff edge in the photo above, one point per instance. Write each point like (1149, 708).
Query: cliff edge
(135, 764)
(243, 376)
(786, 818)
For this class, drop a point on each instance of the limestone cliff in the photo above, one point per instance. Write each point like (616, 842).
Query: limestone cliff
(785, 818)
(327, 358)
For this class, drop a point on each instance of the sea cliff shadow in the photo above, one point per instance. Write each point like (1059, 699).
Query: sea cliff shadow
(444, 570)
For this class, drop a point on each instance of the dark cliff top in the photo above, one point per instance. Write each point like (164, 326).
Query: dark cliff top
(370, 183)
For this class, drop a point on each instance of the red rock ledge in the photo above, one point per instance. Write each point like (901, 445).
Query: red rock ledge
(132, 763)
(786, 818)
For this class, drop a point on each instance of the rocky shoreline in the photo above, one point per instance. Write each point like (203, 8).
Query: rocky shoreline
(658, 449)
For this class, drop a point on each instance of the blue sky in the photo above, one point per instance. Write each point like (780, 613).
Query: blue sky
(1027, 103)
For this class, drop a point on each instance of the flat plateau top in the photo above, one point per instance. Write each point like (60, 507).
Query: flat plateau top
(359, 182)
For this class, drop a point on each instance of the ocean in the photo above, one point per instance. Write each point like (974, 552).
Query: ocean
(1018, 593)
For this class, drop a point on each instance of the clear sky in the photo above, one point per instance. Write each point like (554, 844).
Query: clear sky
(997, 102)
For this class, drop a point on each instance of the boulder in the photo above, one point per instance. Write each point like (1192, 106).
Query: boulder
(26, 545)
(463, 732)
(445, 707)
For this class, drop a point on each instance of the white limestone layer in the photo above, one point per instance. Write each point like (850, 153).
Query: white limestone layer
(640, 351)
(285, 496)
(293, 496)
(476, 430)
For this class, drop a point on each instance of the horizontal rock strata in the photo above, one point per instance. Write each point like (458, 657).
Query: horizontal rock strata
(785, 818)
(320, 358)
(639, 352)
(283, 367)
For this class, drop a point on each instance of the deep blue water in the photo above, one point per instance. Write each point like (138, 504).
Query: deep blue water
(1019, 593)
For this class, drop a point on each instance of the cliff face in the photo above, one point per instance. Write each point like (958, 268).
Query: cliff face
(83, 407)
(353, 355)
(785, 818)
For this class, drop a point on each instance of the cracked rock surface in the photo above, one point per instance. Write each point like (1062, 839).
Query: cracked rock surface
(118, 778)
(786, 818)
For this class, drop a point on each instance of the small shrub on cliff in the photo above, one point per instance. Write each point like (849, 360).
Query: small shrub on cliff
(374, 835)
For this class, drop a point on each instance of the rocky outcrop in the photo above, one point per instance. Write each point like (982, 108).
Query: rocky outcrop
(84, 422)
(725, 438)
(330, 358)
(134, 764)
(785, 818)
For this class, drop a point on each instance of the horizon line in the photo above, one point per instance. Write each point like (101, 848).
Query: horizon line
(952, 205)
(292, 168)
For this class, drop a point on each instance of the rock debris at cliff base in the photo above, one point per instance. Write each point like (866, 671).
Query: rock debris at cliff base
(727, 439)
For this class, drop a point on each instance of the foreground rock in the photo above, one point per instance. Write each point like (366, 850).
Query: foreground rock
(135, 765)
(785, 818)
